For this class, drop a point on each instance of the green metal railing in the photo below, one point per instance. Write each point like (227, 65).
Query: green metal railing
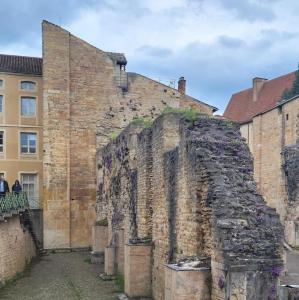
(12, 202)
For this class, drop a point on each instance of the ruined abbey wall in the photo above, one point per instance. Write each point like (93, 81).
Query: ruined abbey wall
(270, 136)
(16, 248)
(82, 107)
(185, 189)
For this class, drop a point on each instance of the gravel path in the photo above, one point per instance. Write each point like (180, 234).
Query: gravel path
(61, 276)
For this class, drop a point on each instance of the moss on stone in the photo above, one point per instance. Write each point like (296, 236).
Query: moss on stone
(103, 222)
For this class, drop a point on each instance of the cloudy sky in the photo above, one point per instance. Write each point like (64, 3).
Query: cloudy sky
(218, 45)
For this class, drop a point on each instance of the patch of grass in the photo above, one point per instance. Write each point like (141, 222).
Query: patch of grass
(76, 291)
(87, 260)
(113, 135)
(120, 283)
(229, 123)
(103, 222)
(189, 113)
(147, 123)
(19, 275)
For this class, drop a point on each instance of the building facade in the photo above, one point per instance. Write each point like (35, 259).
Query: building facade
(271, 128)
(21, 132)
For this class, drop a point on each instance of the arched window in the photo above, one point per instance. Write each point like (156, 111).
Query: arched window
(28, 85)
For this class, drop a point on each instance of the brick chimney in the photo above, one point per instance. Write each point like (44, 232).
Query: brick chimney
(182, 86)
(257, 84)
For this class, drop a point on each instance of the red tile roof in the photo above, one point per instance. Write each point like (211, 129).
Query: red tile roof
(241, 107)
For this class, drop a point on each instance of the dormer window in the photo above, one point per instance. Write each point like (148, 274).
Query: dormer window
(28, 86)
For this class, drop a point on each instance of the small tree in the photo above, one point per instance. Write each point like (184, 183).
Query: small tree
(294, 91)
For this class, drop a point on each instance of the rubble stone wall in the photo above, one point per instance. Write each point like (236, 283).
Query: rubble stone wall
(270, 137)
(194, 196)
(16, 248)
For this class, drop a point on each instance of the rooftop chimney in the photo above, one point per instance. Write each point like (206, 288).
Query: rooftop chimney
(182, 86)
(257, 84)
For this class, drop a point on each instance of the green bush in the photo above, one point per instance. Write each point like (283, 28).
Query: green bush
(293, 91)
(120, 283)
(147, 123)
(103, 222)
(113, 135)
(189, 113)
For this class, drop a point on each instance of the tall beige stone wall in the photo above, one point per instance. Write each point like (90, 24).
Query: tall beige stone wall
(16, 248)
(267, 135)
(83, 106)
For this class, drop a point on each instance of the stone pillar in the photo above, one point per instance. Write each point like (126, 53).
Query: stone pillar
(119, 251)
(187, 283)
(246, 280)
(110, 260)
(138, 258)
(99, 243)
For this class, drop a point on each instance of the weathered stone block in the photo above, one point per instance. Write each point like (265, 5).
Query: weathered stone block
(138, 260)
(99, 238)
(110, 261)
(187, 284)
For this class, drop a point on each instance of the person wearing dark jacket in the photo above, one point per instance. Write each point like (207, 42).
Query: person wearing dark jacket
(17, 188)
(4, 187)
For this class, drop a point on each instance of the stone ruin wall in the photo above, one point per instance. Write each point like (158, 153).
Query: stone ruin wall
(273, 138)
(16, 248)
(187, 186)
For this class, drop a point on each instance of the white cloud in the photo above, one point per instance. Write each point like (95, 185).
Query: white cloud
(219, 45)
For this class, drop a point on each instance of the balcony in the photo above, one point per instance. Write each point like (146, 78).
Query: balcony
(12, 204)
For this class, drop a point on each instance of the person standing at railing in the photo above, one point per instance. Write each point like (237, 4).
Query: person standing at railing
(16, 188)
(4, 187)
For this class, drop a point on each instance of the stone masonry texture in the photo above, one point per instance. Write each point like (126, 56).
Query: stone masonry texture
(16, 248)
(187, 187)
(82, 106)
(273, 138)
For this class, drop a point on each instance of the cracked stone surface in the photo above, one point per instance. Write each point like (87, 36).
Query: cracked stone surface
(61, 276)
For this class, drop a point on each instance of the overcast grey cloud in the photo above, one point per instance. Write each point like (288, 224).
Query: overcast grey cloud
(250, 10)
(218, 45)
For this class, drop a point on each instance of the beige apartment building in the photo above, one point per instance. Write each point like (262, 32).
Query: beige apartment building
(21, 124)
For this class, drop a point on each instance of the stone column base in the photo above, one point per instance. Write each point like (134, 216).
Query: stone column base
(138, 271)
(110, 261)
(99, 238)
(187, 284)
(97, 257)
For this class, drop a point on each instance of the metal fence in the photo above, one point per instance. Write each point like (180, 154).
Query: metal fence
(13, 203)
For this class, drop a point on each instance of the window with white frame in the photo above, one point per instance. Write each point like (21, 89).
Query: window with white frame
(28, 143)
(1, 84)
(1, 103)
(28, 106)
(30, 187)
(28, 86)
(1, 141)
